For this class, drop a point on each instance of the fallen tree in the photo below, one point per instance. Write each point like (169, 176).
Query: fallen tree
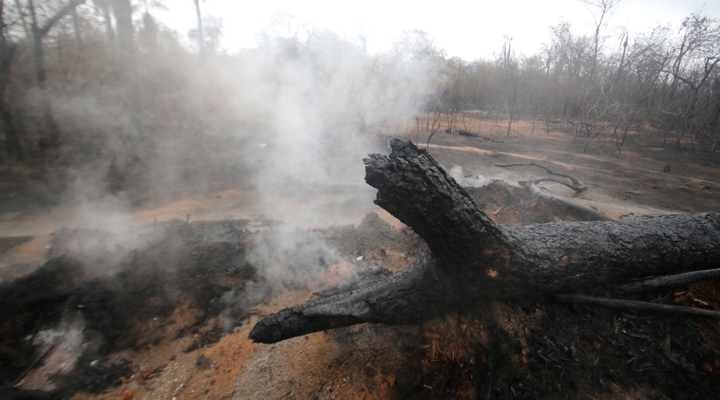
(470, 260)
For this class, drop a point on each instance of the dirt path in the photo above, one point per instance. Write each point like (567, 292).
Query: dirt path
(632, 184)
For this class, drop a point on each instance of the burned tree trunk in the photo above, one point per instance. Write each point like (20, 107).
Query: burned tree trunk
(472, 260)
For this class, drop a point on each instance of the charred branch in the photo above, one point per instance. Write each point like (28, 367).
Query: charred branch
(637, 306)
(410, 296)
(662, 282)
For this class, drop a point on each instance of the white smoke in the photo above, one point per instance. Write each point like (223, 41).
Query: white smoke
(457, 173)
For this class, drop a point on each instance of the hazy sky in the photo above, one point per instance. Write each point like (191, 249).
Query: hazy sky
(468, 29)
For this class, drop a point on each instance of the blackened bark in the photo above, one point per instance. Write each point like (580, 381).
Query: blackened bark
(411, 296)
(474, 261)
(576, 255)
(662, 282)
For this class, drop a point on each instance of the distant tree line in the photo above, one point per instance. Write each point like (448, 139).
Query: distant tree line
(54, 52)
(666, 80)
(77, 71)
(103, 77)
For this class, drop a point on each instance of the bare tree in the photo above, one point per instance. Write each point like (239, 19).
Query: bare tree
(201, 36)
(38, 33)
(510, 80)
(697, 56)
(7, 51)
(122, 10)
(149, 32)
(434, 123)
(600, 9)
(624, 43)
(211, 34)
(103, 7)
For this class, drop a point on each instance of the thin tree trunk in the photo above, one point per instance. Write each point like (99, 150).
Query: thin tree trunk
(126, 60)
(26, 27)
(11, 132)
(201, 38)
(512, 109)
(7, 51)
(109, 31)
(38, 32)
(53, 134)
(627, 128)
(76, 29)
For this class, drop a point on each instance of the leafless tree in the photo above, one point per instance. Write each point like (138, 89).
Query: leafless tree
(200, 34)
(122, 9)
(696, 58)
(38, 33)
(149, 33)
(103, 7)
(600, 10)
(7, 51)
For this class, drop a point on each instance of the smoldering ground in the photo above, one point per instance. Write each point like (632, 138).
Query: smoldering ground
(288, 121)
(74, 328)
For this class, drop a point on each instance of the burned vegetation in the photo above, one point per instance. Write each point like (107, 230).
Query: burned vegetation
(191, 282)
(86, 322)
(127, 303)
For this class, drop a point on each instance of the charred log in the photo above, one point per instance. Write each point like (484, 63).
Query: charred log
(474, 261)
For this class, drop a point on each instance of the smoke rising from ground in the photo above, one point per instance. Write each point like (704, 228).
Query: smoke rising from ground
(288, 121)
(322, 98)
(284, 119)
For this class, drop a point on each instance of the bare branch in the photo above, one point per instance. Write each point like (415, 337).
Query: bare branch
(57, 17)
(663, 282)
(636, 305)
(577, 186)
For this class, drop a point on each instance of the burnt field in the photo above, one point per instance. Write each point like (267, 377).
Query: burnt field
(300, 201)
(164, 310)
